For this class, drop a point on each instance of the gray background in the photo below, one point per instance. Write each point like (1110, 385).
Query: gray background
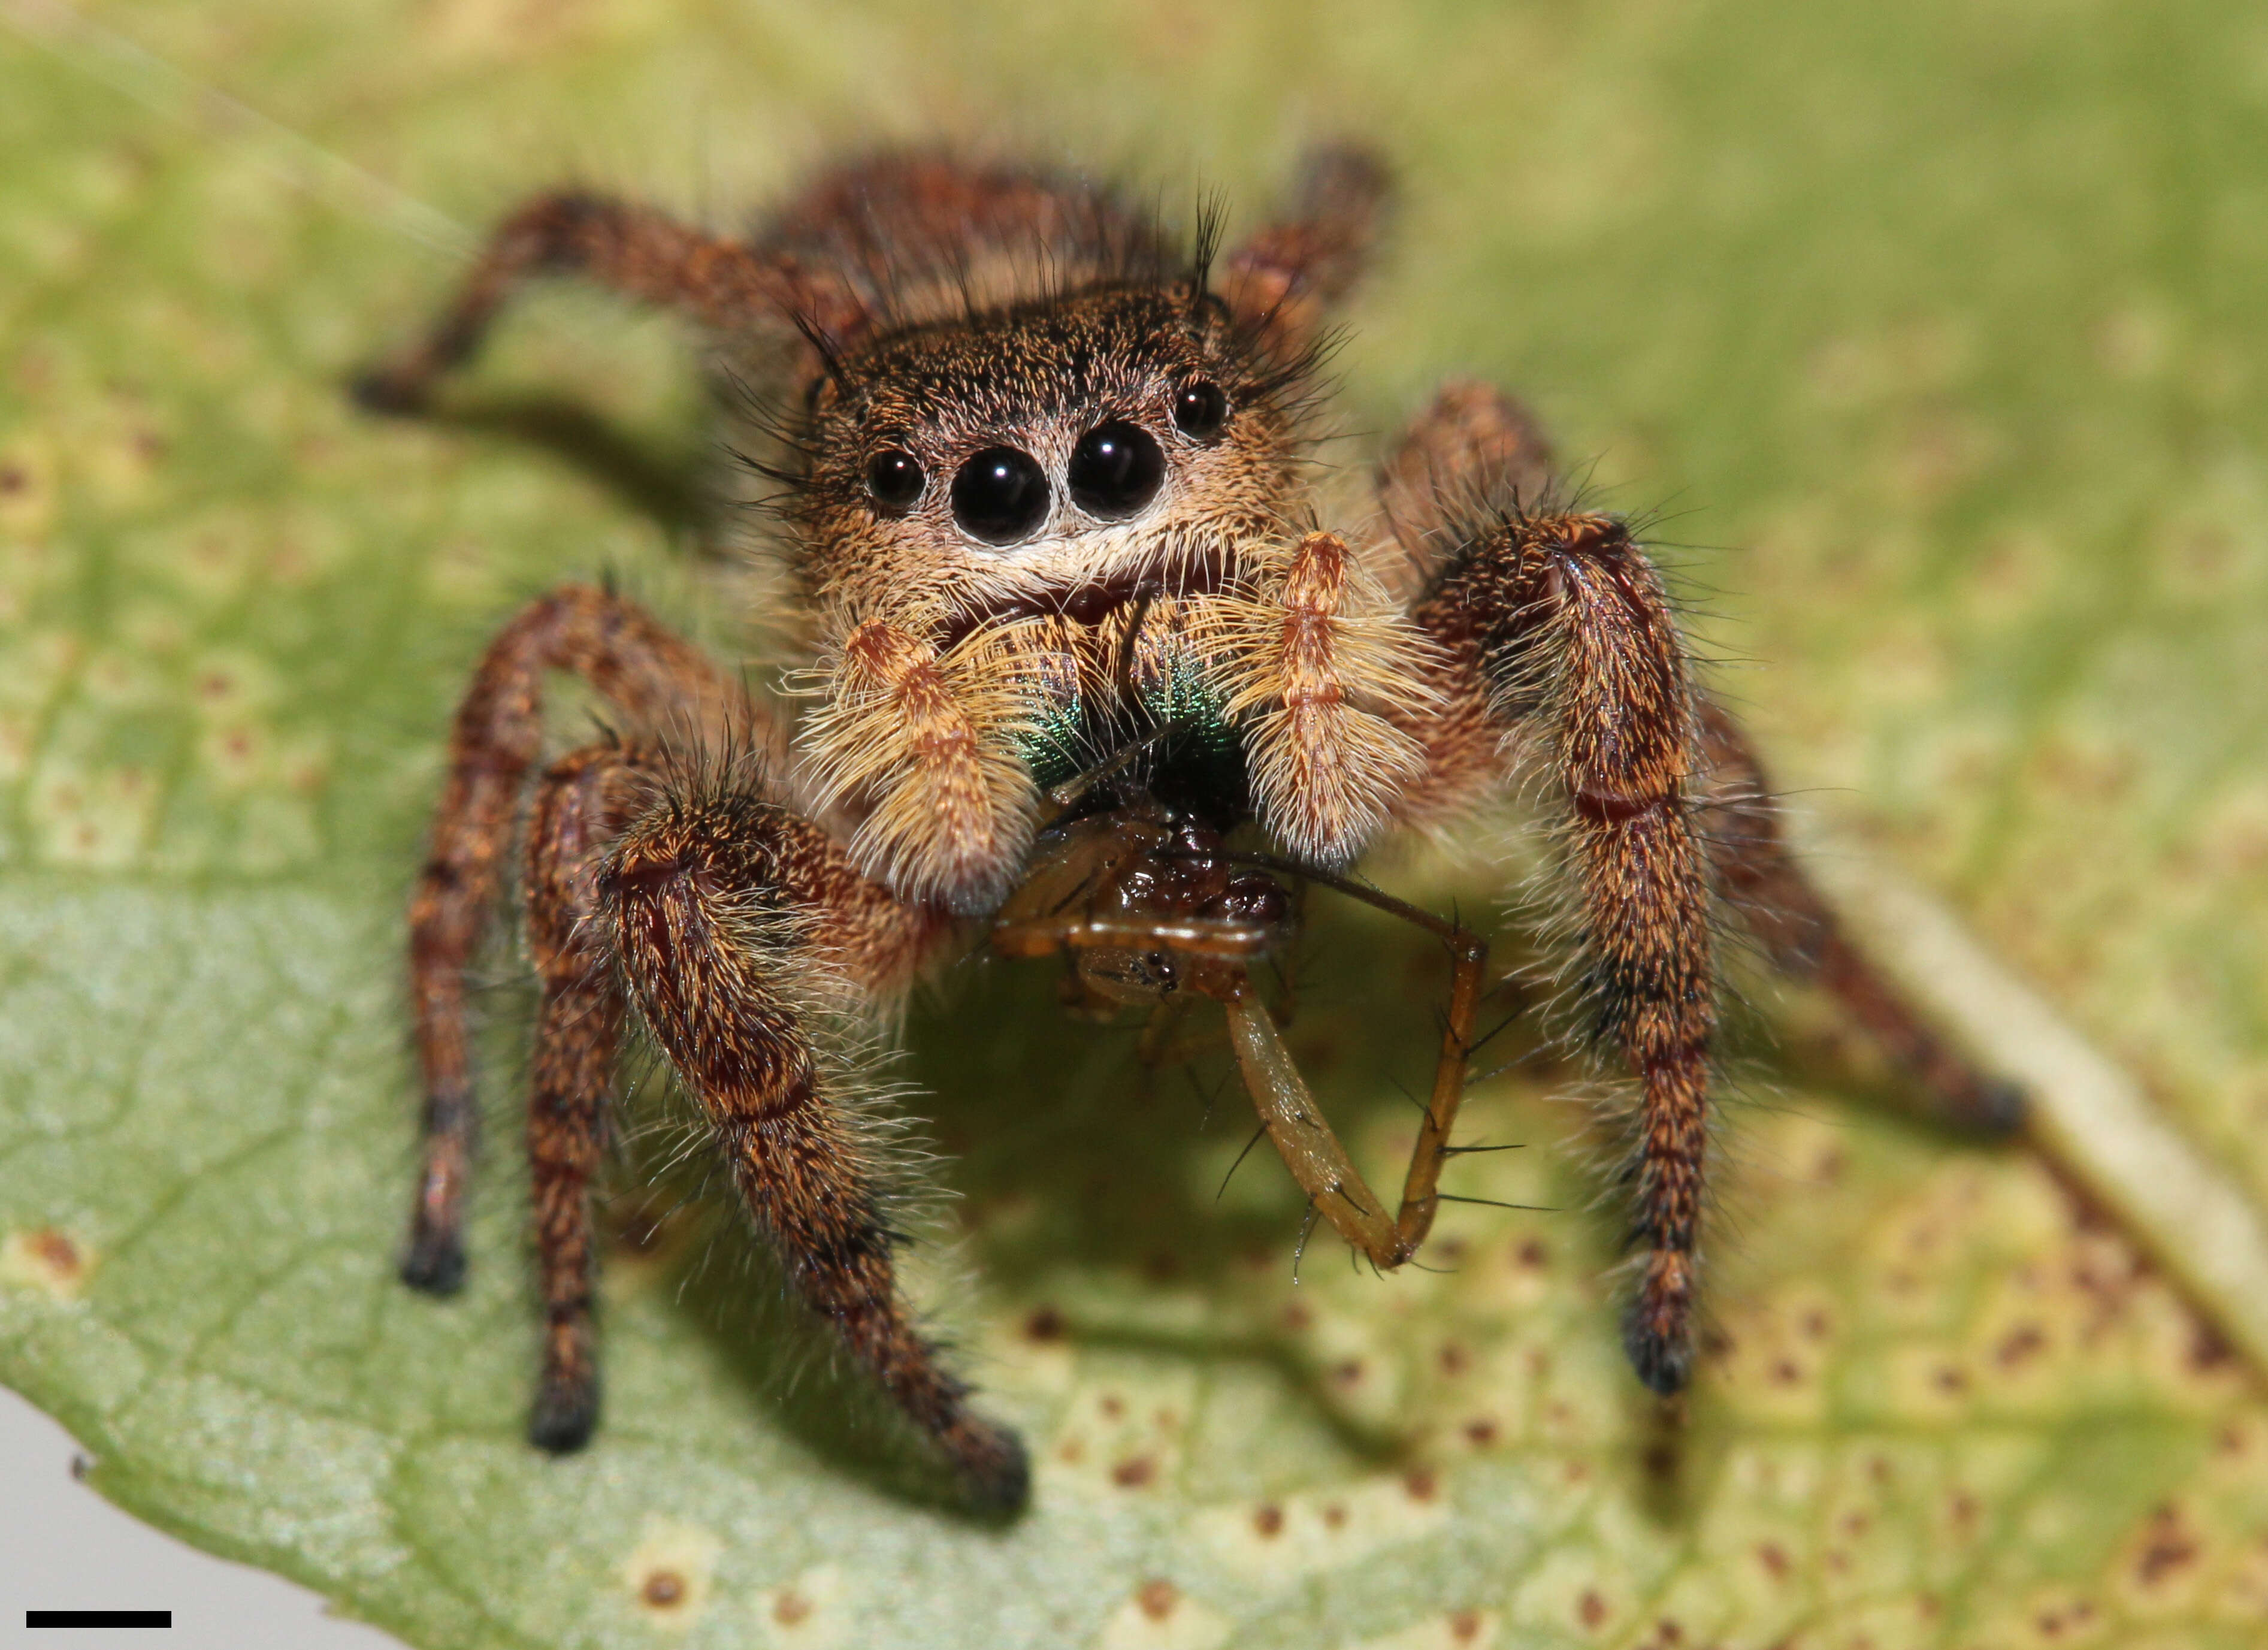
(63, 1547)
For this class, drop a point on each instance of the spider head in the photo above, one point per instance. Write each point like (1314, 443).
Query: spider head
(1055, 456)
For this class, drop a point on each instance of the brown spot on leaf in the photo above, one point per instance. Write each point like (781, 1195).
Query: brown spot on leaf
(1268, 1520)
(1774, 1558)
(1454, 1359)
(1420, 1484)
(1530, 1254)
(663, 1590)
(2019, 1345)
(2208, 1351)
(56, 1252)
(2167, 1547)
(1348, 1373)
(1133, 1472)
(1480, 1432)
(790, 1607)
(1044, 1325)
(1334, 1516)
(46, 1258)
(1112, 1405)
(1465, 1625)
(1157, 1598)
(1591, 1609)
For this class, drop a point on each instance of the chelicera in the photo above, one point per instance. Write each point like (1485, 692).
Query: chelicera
(1081, 671)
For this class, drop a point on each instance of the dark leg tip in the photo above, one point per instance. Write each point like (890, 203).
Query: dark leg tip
(1663, 1364)
(998, 1479)
(564, 1418)
(2001, 1107)
(393, 395)
(435, 1264)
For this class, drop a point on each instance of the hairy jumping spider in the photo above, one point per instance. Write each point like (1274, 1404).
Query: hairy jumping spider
(1069, 625)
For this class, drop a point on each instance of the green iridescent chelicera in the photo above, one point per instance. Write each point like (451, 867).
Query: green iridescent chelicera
(1197, 767)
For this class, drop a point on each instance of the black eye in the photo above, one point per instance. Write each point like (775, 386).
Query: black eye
(895, 479)
(1200, 409)
(1000, 496)
(1115, 470)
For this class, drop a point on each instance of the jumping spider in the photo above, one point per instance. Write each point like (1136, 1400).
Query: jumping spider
(1071, 634)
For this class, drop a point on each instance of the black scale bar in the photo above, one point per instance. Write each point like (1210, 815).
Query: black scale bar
(98, 1618)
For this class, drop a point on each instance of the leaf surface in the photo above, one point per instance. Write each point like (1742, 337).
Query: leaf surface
(1949, 317)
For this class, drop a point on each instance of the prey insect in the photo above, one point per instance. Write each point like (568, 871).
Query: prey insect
(1079, 670)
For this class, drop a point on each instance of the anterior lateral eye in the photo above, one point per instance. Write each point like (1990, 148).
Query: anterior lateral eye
(1000, 496)
(895, 479)
(1115, 470)
(1200, 409)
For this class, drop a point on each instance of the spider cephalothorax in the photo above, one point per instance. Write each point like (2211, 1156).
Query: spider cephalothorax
(1079, 660)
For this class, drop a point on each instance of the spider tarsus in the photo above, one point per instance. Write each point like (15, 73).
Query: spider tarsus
(1663, 1362)
(2000, 1108)
(435, 1264)
(565, 1417)
(997, 1479)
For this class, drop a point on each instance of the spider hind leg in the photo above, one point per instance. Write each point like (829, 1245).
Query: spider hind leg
(580, 804)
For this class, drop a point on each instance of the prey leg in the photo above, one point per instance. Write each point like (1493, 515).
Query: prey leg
(1305, 1139)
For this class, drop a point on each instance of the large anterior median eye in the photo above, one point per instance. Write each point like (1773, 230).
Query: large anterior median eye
(1000, 496)
(1115, 470)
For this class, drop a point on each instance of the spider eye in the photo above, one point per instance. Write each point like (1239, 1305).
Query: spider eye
(1115, 470)
(1000, 496)
(895, 480)
(1200, 409)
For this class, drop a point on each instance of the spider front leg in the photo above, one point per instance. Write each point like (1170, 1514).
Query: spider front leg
(1557, 622)
(1476, 457)
(748, 939)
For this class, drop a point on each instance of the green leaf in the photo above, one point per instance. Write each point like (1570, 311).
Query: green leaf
(1949, 315)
